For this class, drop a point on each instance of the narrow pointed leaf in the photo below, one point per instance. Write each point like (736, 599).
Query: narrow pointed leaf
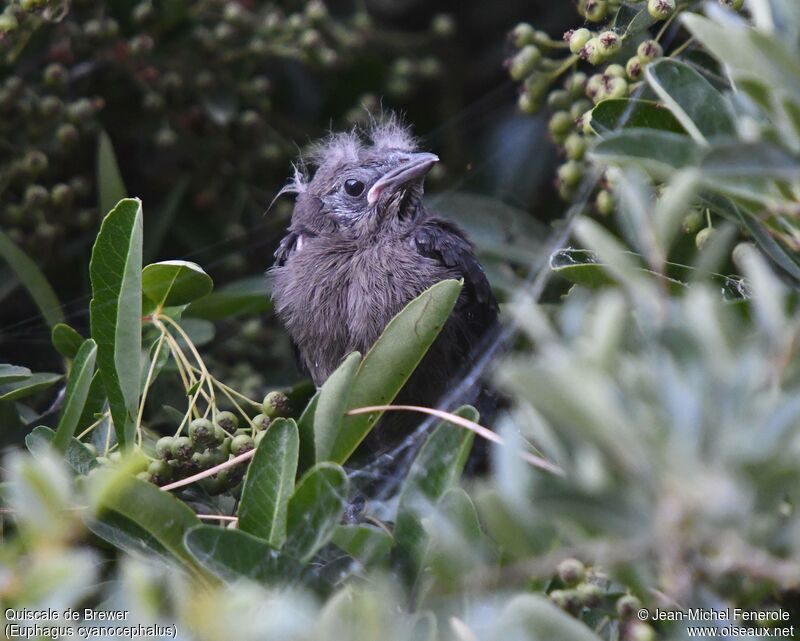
(270, 483)
(116, 274)
(77, 455)
(78, 383)
(110, 187)
(66, 340)
(332, 404)
(28, 386)
(13, 373)
(315, 509)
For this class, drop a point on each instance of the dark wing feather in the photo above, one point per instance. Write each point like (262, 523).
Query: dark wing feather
(444, 241)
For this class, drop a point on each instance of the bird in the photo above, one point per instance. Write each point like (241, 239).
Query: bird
(361, 245)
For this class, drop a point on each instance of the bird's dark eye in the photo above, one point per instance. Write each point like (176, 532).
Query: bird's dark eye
(354, 187)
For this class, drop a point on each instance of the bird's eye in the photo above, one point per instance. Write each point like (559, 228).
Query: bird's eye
(354, 187)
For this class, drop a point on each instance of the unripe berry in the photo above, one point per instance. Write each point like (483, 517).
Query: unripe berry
(182, 448)
(596, 10)
(604, 203)
(628, 606)
(50, 106)
(166, 138)
(228, 421)
(615, 88)
(241, 444)
(261, 422)
(578, 108)
(164, 448)
(35, 162)
(559, 99)
(585, 123)
(734, 5)
(639, 631)
(80, 110)
(571, 571)
(143, 12)
(614, 71)
(276, 404)
(589, 595)
(560, 125)
(692, 222)
(522, 35)
(576, 84)
(36, 196)
(634, 68)
(8, 23)
(594, 86)
(61, 195)
(704, 237)
(160, 472)
(92, 28)
(575, 146)
(80, 186)
(649, 50)
(570, 173)
(660, 9)
(527, 104)
(201, 432)
(153, 102)
(591, 52)
(443, 25)
(610, 43)
(578, 39)
(524, 62)
(316, 11)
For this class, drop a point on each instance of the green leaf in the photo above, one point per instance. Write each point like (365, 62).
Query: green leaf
(392, 360)
(28, 386)
(116, 274)
(95, 402)
(175, 282)
(535, 618)
(33, 279)
(748, 53)
(13, 373)
(246, 296)
(315, 509)
(436, 468)
(232, 555)
(749, 160)
(66, 340)
(581, 267)
(658, 152)
(78, 383)
(124, 534)
(367, 543)
(627, 113)
(702, 110)
(305, 428)
(269, 483)
(77, 455)
(110, 187)
(332, 404)
(158, 513)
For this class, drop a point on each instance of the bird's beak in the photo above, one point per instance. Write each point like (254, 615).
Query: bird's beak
(411, 166)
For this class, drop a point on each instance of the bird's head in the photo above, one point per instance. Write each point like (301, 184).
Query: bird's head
(363, 181)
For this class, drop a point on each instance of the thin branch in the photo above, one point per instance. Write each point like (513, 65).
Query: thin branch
(210, 471)
(480, 430)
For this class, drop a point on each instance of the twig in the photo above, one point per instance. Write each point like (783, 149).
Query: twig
(210, 471)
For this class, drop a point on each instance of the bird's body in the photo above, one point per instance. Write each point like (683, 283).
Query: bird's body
(341, 275)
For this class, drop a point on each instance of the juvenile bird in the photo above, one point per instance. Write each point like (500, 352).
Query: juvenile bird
(361, 245)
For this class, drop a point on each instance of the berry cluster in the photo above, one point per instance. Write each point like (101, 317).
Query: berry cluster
(208, 443)
(607, 59)
(583, 590)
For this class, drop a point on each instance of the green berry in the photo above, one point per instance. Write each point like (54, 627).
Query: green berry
(589, 594)
(201, 432)
(639, 631)
(261, 422)
(693, 222)
(615, 88)
(36, 196)
(660, 9)
(577, 39)
(595, 10)
(634, 68)
(228, 421)
(61, 195)
(571, 571)
(559, 598)
(560, 125)
(614, 71)
(316, 11)
(628, 606)
(92, 28)
(166, 138)
(142, 12)
(160, 472)
(522, 34)
(241, 444)
(153, 102)
(570, 173)
(576, 84)
(80, 186)
(50, 106)
(182, 448)
(527, 104)
(67, 135)
(35, 162)
(164, 448)
(585, 123)
(592, 53)
(604, 203)
(524, 62)
(8, 23)
(734, 5)
(649, 50)
(443, 25)
(80, 110)
(610, 43)
(559, 99)
(276, 404)
(704, 237)
(578, 108)
(594, 87)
